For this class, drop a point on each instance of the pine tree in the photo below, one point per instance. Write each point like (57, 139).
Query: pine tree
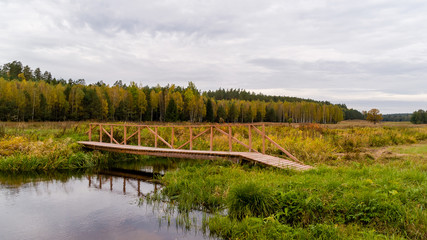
(171, 111)
(209, 111)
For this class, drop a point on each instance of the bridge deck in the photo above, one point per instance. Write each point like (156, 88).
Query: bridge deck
(196, 154)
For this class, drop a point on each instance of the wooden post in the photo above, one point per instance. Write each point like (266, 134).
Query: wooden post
(100, 133)
(124, 134)
(172, 136)
(111, 134)
(211, 139)
(263, 138)
(90, 132)
(155, 137)
(191, 138)
(250, 138)
(111, 183)
(139, 136)
(230, 145)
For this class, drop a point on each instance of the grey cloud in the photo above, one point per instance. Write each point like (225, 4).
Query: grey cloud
(339, 67)
(377, 45)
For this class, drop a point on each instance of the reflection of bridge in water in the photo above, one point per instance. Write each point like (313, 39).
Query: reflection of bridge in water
(128, 181)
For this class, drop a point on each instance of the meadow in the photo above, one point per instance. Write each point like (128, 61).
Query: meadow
(369, 181)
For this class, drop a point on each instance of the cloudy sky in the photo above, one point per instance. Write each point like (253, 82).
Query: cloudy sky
(365, 53)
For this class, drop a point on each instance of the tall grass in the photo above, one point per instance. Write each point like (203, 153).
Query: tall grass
(389, 199)
(251, 199)
(21, 154)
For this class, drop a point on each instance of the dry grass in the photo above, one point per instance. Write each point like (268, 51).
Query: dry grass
(364, 123)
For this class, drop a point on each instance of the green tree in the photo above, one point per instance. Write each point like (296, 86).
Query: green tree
(13, 69)
(37, 74)
(233, 114)
(419, 117)
(28, 73)
(171, 111)
(209, 111)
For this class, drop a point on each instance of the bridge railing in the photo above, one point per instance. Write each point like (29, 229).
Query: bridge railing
(108, 132)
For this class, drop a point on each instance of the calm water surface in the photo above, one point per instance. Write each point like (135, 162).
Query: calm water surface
(101, 205)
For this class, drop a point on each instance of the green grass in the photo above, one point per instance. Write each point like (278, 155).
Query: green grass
(416, 149)
(329, 202)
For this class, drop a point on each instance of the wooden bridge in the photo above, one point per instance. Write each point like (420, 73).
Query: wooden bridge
(185, 142)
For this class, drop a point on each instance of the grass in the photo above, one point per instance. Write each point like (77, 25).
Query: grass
(378, 200)
(412, 149)
(26, 147)
(21, 154)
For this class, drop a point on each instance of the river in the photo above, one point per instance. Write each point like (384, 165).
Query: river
(103, 204)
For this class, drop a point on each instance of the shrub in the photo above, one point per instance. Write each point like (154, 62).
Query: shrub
(250, 199)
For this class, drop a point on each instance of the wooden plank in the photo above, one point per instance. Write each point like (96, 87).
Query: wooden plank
(133, 134)
(90, 132)
(194, 125)
(277, 145)
(173, 136)
(191, 138)
(159, 137)
(124, 134)
(250, 137)
(155, 136)
(139, 136)
(198, 135)
(108, 134)
(211, 140)
(230, 144)
(111, 134)
(235, 139)
(197, 154)
(100, 133)
(263, 139)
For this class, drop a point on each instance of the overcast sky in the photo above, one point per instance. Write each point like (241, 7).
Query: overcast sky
(364, 53)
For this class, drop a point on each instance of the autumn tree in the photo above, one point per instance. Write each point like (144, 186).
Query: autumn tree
(154, 102)
(374, 116)
(141, 103)
(35, 95)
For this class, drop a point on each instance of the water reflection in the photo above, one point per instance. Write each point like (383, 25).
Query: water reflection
(125, 180)
(88, 205)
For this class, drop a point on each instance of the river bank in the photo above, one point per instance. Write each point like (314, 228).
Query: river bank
(369, 182)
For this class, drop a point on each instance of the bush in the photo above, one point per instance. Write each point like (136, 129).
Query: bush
(250, 199)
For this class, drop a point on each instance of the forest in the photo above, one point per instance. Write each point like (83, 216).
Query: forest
(30, 95)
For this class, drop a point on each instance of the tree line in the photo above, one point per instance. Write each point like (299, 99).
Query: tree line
(419, 117)
(397, 117)
(26, 95)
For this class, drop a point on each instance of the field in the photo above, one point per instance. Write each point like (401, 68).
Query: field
(369, 181)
